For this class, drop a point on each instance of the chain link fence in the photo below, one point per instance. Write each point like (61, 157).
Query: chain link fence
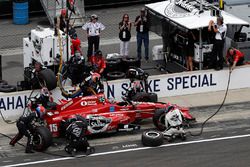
(11, 35)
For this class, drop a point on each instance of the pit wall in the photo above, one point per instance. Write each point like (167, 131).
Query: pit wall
(177, 84)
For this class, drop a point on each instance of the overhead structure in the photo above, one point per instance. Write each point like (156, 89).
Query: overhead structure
(53, 9)
(167, 16)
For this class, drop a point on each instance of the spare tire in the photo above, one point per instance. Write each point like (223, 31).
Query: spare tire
(130, 62)
(42, 138)
(48, 77)
(3, 82)
(113, 65)
(152, 138)
(145, 97)
(159, 119)
(115, 75)
(7, 88)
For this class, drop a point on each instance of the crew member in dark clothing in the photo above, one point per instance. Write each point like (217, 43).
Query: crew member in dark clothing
(92, 85)
(75, 132)
(63, 21)
(141, 23)
(25, 126)
(190, 50)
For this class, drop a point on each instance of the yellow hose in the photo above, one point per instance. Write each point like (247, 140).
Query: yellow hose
(59, 74)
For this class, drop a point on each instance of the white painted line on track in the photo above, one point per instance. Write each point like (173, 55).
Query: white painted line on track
(130, 150)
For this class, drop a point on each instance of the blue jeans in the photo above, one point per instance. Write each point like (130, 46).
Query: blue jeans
(145, 38)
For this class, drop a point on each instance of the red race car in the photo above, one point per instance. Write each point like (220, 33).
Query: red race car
(104, 115)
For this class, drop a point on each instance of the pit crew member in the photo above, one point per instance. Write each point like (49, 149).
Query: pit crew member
(98, 62)
(75, 133)
(25, 126)
(234, 58)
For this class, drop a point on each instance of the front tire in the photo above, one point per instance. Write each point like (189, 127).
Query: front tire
(152, 138)
(42, 138)
(159, 119)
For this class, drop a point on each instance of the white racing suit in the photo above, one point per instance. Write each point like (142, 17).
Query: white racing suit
(173, 122)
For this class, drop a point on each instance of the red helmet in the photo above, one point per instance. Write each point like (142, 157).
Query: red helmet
(63, 12)
(40, 110)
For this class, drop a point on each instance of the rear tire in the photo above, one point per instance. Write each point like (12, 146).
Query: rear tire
(7, 88)
(42, 138)
(130, 62)
(48, 77)
(152, 138)
(159, 119)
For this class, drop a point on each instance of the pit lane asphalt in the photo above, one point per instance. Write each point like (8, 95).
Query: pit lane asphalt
(233, 120)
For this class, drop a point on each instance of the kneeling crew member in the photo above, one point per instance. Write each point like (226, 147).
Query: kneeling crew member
(75, 132)
(25, 126)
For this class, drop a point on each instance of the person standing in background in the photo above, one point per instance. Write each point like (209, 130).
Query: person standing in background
(93, 29)
(124, 35)
(142, 29)
(190, 50)
(220, 30)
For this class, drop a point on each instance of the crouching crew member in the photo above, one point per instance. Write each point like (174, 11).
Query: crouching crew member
(234, 58)
(75, 132)
(98, 62)
(25, 126)
(92, 85)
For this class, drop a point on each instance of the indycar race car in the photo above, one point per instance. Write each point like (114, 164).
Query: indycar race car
(104, 115)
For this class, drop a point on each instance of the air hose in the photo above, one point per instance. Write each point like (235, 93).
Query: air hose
(217, 111)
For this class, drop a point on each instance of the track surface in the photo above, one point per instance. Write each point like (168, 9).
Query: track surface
(225, 142)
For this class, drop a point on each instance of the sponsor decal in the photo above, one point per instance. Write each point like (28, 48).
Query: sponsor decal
(188, 6)
(67, 105)
(129, 145)
(190, 82)
(13, 102)
(89, 98)
(88, 103)
(112, 108)
(98, 123)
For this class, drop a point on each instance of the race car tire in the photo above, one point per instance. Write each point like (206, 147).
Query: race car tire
(115, 75)
(42, 138)
(145, 97)
(7, 88)
(3, 82)
(49, 77)
(113, 65)
(130, 62)
(159, 119)
(152, 138)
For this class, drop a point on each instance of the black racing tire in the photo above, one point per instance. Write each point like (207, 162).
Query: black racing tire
(152, 138)
(3, 82)
(115, 75)
(49, 77)
(7, 88)
(145, 97)
(42, 138)
(130, 62)
(113, 65)
(159, 119)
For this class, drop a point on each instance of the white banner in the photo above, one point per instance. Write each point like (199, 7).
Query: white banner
(12, 104)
